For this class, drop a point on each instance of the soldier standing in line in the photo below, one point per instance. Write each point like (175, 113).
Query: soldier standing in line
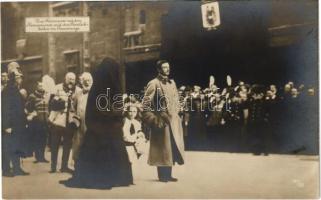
(257, 121)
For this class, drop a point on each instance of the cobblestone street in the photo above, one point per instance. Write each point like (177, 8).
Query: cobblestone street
(205, 175)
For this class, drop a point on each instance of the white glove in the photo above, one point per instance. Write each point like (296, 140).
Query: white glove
(8, 130)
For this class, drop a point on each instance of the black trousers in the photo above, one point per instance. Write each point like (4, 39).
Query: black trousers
(58, 133)
(164, 172)
(9, 155)
(40, 134)
(259, 137)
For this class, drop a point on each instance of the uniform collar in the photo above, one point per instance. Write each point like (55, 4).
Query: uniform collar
(67, 89)
(39, 93)
(85, 91)
(164, 79)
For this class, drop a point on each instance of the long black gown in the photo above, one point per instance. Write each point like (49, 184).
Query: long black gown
(103, 161)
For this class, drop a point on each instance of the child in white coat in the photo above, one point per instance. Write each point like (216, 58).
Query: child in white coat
(132, 133)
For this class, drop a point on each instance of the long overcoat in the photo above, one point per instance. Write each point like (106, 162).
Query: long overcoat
(14, 117)
(161, 99)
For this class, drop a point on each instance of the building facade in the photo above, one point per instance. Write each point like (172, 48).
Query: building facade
(265, 38)
(129, 32)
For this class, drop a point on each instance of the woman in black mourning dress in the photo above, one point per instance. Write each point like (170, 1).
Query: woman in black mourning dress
(103, 161)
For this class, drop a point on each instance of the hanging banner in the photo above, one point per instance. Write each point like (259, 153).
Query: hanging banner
(210, 15)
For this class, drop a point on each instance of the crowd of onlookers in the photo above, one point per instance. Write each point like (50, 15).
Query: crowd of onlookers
(251, 114)
(258, 118)
(253, 117)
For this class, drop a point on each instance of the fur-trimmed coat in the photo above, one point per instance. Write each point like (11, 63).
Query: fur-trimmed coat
(161, 109)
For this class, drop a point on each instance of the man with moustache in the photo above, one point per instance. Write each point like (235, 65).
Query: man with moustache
(64, 120)
(4, 80)
(161, 108)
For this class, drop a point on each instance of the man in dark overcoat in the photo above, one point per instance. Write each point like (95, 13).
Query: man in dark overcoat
(257, 121)
(13, 124)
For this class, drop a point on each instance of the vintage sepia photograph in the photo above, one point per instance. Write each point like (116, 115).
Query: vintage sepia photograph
(208, 99)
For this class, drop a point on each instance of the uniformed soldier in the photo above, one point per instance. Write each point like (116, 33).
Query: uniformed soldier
(37, 110)
(257, 121)
(13, 123)
(236, 120)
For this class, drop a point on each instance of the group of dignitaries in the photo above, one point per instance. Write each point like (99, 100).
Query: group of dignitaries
(105, 143)
(50, 115)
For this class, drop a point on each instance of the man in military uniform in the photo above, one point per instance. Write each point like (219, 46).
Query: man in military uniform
(161, 109)
(37, 108)
(257, 121)
(64, 120)
(235, 119)
(274, 107)
(13, 123)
